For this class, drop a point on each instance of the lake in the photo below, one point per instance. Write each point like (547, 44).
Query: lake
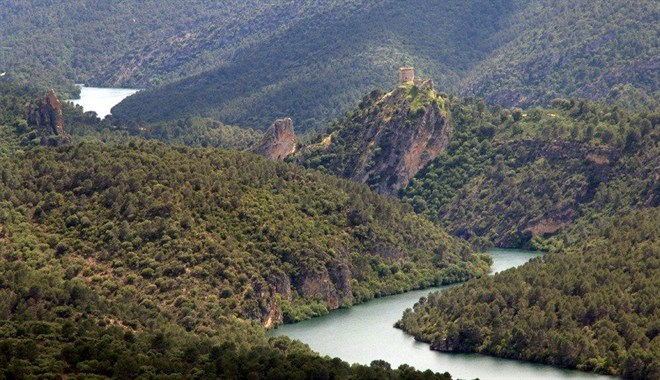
(365, 332)
(101, 99)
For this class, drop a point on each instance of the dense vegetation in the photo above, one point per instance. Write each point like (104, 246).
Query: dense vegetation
(311, 75)
(130, 43)
(509, 176)
(511, 52)
(145, 260)
(594, 50)
(254, 230)
(192, 131)
(248, 63)
(594, 306)
(579, 180)
(86, 126)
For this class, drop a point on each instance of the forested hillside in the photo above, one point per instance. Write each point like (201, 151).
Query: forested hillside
(138, 258)
(606, 50)
(511, 52)
(579, 180)
(273, 236)
(510, 177)
(248, 63)
(312, 73)
(127, 258)
(131, 43)
(594, 307)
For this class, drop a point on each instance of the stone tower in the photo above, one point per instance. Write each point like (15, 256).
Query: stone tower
(406, 74)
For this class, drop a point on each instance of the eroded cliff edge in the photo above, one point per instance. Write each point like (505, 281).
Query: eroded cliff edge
(386, 140)
(279, 141)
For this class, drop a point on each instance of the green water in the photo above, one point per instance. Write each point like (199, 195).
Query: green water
(364, 333)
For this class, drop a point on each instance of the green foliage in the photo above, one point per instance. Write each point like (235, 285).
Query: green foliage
(249, 62)
(141, 260)
(195, 132)
(70, 41)
(311, 73)
(510, 52)
(594, 307)
(510, 177)
(180, 223)
(595, 50)
(50, 350)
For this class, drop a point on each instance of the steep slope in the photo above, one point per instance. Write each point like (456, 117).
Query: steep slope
(140, 260)
(511, 177)
(386, 140)
(279, 242)
(595, 50)
(311, 73)
(511, 52)
(132, 43)
(279, 141)
(593, 307)
(47, 118)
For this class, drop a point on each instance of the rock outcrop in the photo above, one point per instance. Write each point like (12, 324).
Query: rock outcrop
(330, 284)
(47, 119)
(387, 140)
(279, 141)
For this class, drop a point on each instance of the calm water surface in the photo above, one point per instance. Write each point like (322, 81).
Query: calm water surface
(101, 100)
(364, 333)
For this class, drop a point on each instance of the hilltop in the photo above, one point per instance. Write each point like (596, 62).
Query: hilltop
(386, 140)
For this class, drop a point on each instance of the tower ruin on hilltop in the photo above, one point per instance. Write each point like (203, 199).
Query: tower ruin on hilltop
(406, 74)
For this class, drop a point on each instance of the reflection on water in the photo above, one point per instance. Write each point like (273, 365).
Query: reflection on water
(101, 100)
(364, 333)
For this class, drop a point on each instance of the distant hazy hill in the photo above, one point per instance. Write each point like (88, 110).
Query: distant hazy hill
(247, 63)
(583, 49)
(132, 42)
(512, 52)
(321, 66)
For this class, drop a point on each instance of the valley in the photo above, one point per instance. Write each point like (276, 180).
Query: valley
(365, 333)
(329, 190)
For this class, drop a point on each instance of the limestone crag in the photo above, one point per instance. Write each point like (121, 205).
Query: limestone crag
(387, 140)
(330, 284)
(47, 119)
(279, 141)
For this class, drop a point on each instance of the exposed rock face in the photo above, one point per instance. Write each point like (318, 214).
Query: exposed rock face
(47, 119)
(330, 283)
(279, 141)
(387, 140)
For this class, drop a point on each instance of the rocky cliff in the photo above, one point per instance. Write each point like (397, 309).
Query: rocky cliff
(46, 117)
(387, 139)
(279, 141)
